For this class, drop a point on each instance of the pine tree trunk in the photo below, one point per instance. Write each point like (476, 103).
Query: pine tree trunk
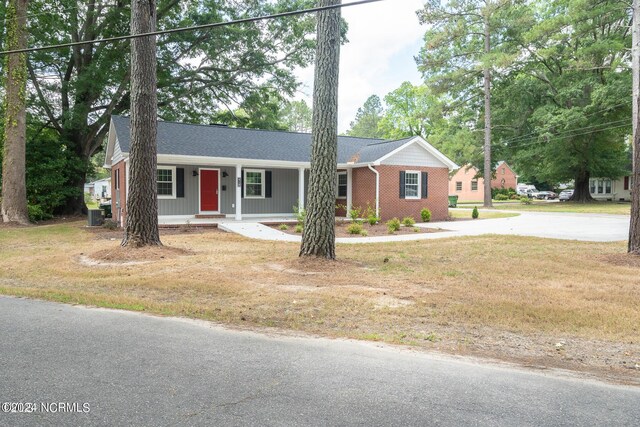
(487, 116)
(318, 237)
(634, 226)
(14, 186)
(141, 227)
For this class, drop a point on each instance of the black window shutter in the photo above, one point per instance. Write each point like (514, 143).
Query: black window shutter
(267, 184)
(242, 184)
(425, 185)
(179, 182)
(402, 183)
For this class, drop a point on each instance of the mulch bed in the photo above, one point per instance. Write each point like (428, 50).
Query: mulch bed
(372, 230)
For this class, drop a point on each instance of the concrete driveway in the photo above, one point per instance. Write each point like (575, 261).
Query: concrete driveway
(124, 368)
(556, 225)
(567, 226)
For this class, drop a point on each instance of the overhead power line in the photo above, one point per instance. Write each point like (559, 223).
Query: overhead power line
(559, 137)
(567, 132)
(191, 28)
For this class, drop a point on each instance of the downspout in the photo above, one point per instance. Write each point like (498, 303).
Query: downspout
(377, 189)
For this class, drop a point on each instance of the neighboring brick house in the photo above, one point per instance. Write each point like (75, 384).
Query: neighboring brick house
(467, 184)
(216, 171)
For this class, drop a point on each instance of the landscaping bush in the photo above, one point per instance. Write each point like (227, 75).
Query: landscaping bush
(301, 215)
(408, 221)
(502, 197)
(416, 229)
(425, 214)
(475, 214)
(354, 228)
(110, 224)
(364, 233)
(372, 219)
(283, 227)
(299, 228)
(393, 225)
(525, 200)
(36, 213)
(354, 214)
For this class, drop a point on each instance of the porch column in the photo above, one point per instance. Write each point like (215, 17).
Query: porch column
(301, 188)
(238, 192)
(349, 189)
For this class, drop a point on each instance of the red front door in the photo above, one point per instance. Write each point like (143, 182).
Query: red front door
(208, 190)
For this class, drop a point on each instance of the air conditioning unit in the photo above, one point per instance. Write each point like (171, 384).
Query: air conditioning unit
(95, 217)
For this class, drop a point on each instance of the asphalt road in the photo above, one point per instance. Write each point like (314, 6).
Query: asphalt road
(133, 369)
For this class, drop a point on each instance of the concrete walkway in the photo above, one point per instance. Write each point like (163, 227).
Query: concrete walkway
(565, 226)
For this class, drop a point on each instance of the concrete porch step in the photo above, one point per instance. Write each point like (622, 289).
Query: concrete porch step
(212, 216)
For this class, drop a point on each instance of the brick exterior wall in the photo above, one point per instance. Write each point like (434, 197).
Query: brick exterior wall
(118, 214)
(504, 172)
(391, 205)
(465, 176)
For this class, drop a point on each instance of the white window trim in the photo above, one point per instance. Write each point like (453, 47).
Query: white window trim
(338, 185)
(173, 183)
(419, 185)
(262, 181)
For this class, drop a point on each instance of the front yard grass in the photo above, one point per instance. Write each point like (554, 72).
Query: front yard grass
(543, 206)
(507, 297)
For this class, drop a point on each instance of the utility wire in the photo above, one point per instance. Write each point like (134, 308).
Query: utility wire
(191, 28)
(555, 138)
(569, 122)
(513, 142)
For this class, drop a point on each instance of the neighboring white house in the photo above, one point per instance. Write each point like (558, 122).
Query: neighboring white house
(609, 189)
(100, 189)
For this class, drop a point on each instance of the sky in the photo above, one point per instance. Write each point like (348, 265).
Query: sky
(383, 40)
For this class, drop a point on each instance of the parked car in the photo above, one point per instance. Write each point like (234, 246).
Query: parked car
(565, 195)
(526, 190)
(546, 195)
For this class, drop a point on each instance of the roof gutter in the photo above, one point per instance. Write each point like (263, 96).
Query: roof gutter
(377, 189)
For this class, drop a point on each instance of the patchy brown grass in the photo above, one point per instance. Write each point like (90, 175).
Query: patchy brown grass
(538, 302)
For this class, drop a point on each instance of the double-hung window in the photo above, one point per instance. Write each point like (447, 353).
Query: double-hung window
(342, 185)
(254, 184)
(458, 185)
(474, 185)
(166, 182)
(412, 185)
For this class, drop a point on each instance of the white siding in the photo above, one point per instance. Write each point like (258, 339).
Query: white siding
(117, 153)
(414, 155)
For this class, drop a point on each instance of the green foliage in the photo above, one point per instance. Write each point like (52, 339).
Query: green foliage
(501, 197)
(408, 221)
(372, 219)
(355, 228)
(37, 213)
(425, 214)
(300, 213)
(525, 200)
(299, 228)
(393, 225)
(475, 214)
(355, 214)
(283, 227)
(367, 119)
(364, 233)
(296, 116)
(416, 229)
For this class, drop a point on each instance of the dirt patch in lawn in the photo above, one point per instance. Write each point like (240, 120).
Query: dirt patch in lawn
(131, 255)
(370, 230)
(117, 233)
(623, 260)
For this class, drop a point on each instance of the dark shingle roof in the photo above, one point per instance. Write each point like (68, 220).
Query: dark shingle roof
(237, 143)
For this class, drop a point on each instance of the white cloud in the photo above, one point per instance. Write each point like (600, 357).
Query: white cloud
(383, 39)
